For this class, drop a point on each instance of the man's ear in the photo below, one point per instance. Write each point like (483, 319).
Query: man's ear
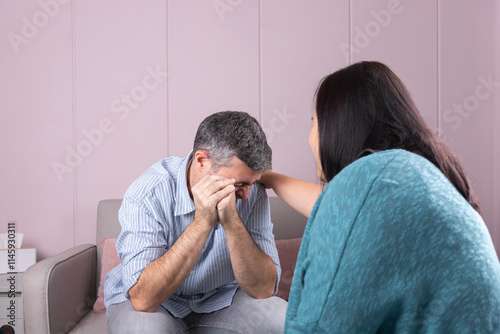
(202, 160)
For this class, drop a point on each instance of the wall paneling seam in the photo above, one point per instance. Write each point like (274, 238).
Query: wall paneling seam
(351, 42)
(74, 119)
(496, 130)
(438, 69)
(167, 105)
(259, 21)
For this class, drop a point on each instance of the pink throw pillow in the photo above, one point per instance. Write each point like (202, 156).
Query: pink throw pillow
(109, 260)
(288, 250)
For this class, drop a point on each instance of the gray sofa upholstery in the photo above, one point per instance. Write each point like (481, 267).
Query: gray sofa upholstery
(59, 292)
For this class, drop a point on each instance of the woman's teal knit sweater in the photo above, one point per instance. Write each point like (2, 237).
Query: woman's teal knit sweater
(392, 247)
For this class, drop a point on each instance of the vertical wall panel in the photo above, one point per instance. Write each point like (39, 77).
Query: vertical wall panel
(300, 44)
(36, 117)
(467, 99)
(213, 60)
(403, 35)
(121, 85)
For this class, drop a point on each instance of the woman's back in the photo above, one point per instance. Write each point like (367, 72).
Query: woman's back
(391, 246)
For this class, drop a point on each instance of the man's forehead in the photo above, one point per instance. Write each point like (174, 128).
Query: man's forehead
(240, 171)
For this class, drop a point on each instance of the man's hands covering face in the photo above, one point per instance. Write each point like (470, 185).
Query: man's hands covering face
(226, 209)
(214, 199)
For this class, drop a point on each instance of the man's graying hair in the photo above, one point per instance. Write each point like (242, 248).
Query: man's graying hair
(233, 133)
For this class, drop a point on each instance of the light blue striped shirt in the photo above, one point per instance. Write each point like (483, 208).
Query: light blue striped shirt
(155, 211)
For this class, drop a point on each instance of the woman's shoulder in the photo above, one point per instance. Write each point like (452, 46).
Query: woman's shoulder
(377, 161)
(397, 165)
(388, 178)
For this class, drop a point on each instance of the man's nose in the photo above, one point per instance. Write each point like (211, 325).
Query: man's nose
(243, 192)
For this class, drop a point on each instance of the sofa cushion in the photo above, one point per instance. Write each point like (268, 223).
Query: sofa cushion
(288, 249)
(109, 260)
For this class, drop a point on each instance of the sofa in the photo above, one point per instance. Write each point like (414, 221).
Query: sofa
(61, 293)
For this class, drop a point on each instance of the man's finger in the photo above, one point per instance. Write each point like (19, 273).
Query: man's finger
(222, 193)
(231, 197)
(213, 183)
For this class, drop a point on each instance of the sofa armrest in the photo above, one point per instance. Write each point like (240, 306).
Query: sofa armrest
(59, 291)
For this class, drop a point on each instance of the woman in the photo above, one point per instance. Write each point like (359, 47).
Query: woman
(395, 242)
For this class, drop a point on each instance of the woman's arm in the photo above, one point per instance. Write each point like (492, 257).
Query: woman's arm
(300, 195)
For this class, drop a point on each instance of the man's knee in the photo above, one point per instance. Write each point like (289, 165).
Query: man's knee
(264, 315)
(122, 318)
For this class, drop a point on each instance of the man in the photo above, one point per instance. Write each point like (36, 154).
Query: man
(196, 247)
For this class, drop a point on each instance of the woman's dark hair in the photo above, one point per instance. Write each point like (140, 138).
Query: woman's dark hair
(366, 106)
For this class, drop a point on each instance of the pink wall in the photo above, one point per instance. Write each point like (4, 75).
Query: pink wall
(125, 83)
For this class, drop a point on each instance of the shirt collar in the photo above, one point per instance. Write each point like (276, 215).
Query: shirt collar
(183, 202)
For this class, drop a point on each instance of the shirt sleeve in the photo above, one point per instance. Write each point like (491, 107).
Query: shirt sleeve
(260, 227)
(141, 241)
